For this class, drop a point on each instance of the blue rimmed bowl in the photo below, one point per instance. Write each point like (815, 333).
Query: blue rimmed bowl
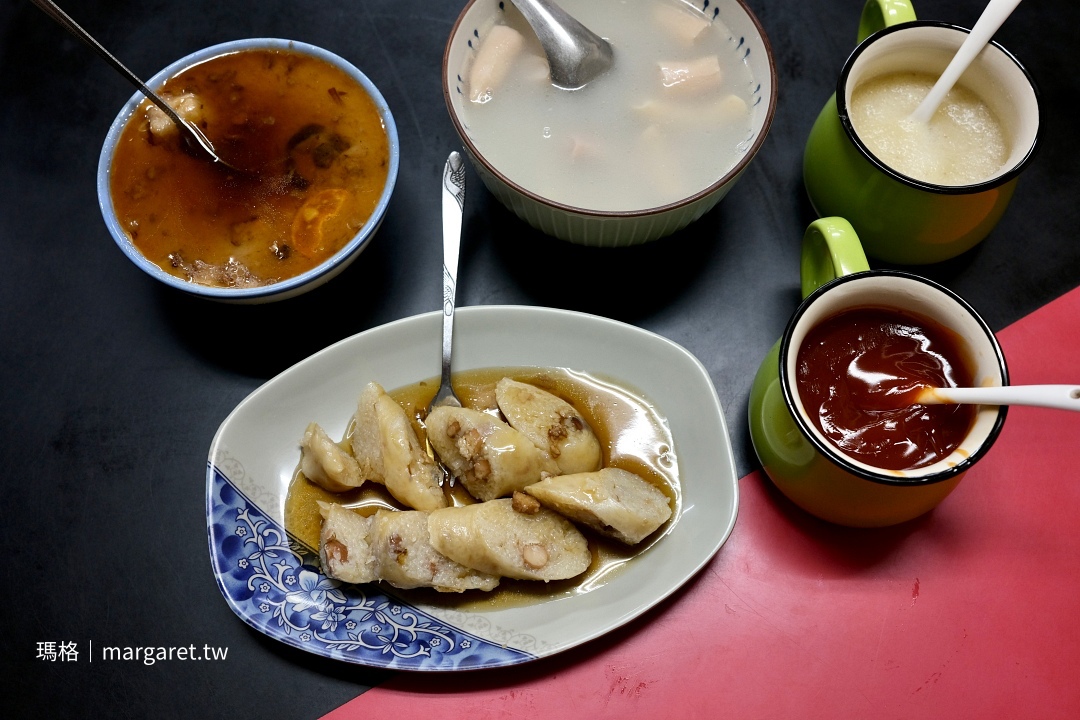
(289, 287)
(611, 228)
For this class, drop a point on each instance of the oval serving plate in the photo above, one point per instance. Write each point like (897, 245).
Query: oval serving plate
(274, 582)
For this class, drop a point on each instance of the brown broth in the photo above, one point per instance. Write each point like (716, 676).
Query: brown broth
(632, 436)
(316, 155)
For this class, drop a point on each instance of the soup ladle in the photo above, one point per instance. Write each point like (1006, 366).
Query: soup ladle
(575, 54)
(195, 142)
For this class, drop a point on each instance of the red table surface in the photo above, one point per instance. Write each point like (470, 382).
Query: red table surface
(972, 610)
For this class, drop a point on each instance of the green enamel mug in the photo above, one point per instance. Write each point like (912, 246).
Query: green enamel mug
(901, 219)
(798, 458)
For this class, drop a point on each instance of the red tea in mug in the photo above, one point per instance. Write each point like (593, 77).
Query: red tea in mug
(857, 372)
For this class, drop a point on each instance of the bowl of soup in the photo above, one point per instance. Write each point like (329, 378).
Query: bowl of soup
(313, 156)
(637, 153)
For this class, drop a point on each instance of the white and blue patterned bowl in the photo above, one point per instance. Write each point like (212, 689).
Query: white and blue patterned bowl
(286, 288)
(613, 228)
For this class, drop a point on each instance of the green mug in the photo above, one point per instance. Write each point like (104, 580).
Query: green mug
(802, 463)
(901, 219)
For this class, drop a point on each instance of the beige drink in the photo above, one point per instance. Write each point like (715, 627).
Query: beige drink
(963, 144)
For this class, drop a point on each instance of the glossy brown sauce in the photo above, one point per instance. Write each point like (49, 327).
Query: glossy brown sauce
(859, 370)
(632, 436)
(316, 155)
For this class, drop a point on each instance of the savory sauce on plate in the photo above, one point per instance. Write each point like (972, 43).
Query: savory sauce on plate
(633, 436)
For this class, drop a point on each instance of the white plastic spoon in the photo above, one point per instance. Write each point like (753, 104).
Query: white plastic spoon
(1062, 397)
(989, 22)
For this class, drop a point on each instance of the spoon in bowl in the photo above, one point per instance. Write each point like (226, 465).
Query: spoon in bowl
(988, 23)
(195, 142)
(575, 54)
(1061, 397)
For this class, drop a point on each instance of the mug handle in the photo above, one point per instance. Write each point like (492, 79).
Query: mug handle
(880, 14)
(830, 249)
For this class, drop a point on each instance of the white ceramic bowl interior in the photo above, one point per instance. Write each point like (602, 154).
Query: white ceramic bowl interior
(286, 288)
(611, 229)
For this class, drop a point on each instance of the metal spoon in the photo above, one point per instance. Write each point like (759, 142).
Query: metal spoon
(988, 23)
(194, 141)
(453, 205)
(575, 54)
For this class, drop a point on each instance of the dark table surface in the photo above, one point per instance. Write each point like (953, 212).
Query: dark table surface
(113, 386)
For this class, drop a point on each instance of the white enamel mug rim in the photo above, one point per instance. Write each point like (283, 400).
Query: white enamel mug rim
(993, 65)
(916, 294)
(761, 126)
(289, 287)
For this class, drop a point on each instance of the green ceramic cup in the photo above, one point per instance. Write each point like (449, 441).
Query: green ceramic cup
(901, 219)
(799, 460)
